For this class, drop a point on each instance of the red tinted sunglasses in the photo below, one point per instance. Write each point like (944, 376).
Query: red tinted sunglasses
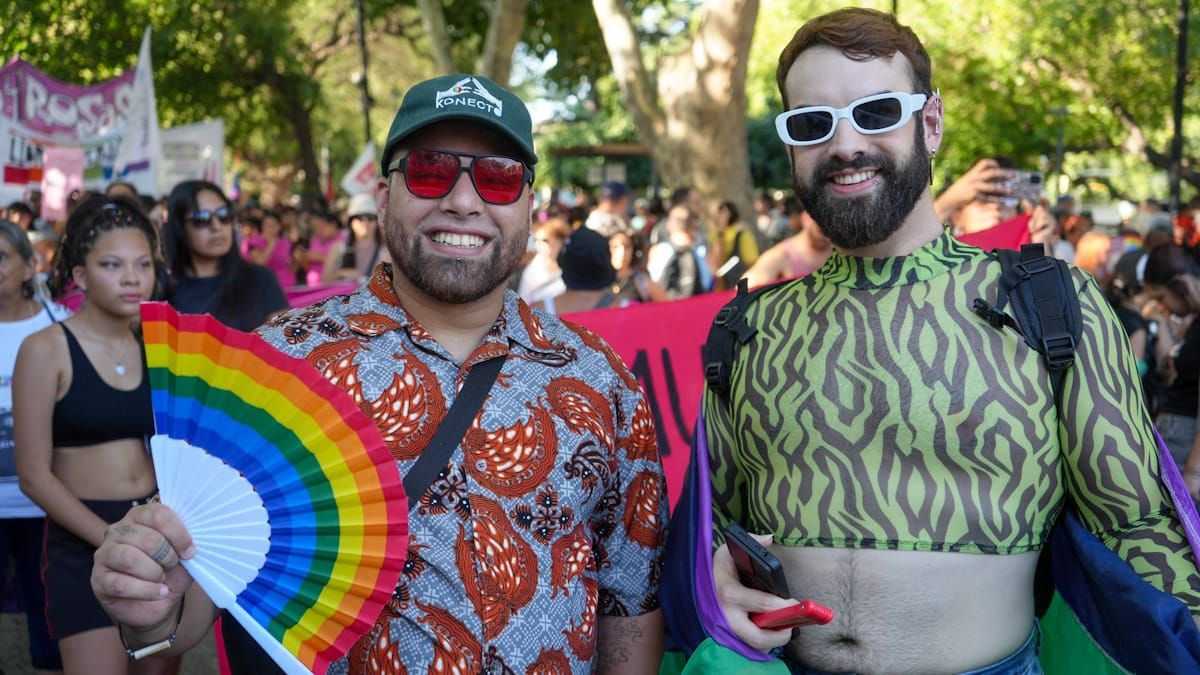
(431, 174)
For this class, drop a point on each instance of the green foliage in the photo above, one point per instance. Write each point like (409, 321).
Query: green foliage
(1006, 69)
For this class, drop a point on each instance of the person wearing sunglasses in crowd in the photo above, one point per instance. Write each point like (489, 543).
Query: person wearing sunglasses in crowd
(538, 548)
(901, 456)
(208, 274)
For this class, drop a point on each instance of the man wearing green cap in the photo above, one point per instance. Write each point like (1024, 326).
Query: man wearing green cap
(537, 546)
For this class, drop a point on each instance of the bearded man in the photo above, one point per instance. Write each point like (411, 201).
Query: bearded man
(537, 547)
(904, 456)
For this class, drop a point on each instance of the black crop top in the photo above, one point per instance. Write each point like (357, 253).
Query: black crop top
(93, 412)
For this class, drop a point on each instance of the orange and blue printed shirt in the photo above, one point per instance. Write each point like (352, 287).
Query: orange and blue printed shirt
(552, 510)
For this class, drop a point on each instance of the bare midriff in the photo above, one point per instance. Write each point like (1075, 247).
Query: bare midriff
(113, 470)
(910, 611)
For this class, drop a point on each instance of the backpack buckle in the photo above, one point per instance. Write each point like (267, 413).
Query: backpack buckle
(1059, 351)
(715, 376)
(724, 315)
(988, 313)
(1036, 266)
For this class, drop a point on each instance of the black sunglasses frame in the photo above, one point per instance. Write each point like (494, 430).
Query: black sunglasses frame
(195, 220)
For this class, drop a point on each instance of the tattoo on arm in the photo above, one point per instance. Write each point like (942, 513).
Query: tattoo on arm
(614, 644)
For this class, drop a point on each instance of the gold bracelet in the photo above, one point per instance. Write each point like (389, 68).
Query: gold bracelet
(160, 646)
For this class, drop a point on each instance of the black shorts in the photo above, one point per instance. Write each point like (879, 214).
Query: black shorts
(71, 607)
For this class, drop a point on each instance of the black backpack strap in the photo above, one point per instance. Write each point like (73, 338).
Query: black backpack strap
(1048, 316)
(729, 329)
(1045, 304)
(449, 434)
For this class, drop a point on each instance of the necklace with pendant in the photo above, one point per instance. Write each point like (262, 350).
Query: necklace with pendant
(118, 362)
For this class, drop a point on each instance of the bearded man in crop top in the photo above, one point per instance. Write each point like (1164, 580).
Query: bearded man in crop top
(905, 457)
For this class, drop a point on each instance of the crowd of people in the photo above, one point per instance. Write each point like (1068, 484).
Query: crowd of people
(448, 268)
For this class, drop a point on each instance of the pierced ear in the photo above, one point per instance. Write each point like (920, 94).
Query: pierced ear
(933, 116)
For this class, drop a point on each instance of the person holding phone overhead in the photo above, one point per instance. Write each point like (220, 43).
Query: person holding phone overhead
(903, 456)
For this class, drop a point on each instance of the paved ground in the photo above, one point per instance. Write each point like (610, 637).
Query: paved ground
(14, 651)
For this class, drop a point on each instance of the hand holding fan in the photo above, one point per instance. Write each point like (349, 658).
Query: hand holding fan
(296, 508)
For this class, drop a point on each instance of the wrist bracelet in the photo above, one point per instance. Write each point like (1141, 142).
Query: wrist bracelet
(160, 646)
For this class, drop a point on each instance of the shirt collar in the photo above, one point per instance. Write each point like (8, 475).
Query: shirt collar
(516, 323)
(937, 257)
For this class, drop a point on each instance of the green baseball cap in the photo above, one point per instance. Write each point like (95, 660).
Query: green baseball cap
(462, 97)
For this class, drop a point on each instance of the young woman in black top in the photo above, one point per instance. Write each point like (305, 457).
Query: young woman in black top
(82, 414)
(208, 275)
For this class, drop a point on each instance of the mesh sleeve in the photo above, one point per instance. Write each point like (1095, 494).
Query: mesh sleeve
(1113, 472)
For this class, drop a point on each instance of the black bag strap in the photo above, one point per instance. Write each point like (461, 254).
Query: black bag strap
(729, 329)
(1046, 305)
(1048, 316)
(450, 432)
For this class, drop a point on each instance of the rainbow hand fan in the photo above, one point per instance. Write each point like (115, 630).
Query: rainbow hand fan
(296, 507)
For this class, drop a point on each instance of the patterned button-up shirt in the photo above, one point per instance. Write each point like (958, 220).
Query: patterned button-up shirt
(552, 510)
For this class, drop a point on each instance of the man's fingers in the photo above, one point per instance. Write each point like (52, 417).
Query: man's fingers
(130, 560)
(165, 524)
(111, 585)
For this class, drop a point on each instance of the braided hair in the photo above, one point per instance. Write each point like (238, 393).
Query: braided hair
(92, 217)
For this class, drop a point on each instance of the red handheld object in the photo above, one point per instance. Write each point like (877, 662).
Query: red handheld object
(806, 613)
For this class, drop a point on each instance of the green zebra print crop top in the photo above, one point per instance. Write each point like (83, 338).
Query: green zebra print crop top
(874, 409)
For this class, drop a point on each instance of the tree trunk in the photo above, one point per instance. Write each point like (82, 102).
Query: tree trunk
(433, 17)
(300, 117)
(694, 124)
(504, 31)
(294, 106)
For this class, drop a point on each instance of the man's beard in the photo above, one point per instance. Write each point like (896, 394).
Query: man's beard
(864, 220)
(453, 280)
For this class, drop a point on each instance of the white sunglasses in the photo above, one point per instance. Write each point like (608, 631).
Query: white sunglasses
(875, 114)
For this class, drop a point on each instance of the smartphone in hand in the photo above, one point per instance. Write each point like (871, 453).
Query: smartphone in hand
(758, 568)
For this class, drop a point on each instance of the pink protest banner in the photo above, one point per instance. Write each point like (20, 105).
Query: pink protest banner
(661, 345)
(60, 110)
(62, 172)
(1011, 233)
(299, 296)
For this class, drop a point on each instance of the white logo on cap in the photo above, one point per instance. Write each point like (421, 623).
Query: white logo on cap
(470, 92)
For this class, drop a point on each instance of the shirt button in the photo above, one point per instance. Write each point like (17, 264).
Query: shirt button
(481, 466)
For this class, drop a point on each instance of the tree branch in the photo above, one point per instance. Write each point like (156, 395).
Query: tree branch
(504, 31)
(623, 48)
(1135, 142)
(433, 16)
(336, 40)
